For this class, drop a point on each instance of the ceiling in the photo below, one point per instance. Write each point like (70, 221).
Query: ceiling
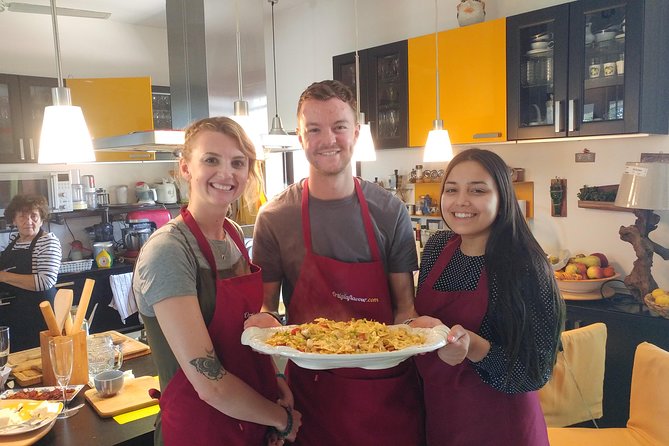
(133, 12)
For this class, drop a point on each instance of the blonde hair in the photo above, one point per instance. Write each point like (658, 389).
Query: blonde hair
(221, 124)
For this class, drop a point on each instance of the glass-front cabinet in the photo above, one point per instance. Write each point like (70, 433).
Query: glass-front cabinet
(22, 102)
(591, 67)
(383, 90)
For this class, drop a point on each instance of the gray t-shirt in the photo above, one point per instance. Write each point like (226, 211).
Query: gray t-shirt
(337, 232)
(169, 262)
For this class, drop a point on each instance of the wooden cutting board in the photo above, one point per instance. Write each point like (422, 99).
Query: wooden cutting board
(27, 364)
(134, 395)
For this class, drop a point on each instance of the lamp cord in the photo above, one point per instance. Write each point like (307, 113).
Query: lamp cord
(276, 100)
(436, 49)
(56, 42)
(357, 62)
(239, 53)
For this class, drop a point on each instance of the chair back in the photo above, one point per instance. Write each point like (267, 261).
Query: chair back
(575, 391)
(649, 394)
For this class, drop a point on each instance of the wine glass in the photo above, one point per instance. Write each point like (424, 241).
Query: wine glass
(4, 351)
(61, 352)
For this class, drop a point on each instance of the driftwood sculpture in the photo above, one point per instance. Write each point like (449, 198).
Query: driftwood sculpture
(640, 281)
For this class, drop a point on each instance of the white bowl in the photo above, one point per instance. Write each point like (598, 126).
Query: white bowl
(602, 36)
(540, 45)
(583, 286)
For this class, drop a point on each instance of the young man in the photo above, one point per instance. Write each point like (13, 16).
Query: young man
(341, 248)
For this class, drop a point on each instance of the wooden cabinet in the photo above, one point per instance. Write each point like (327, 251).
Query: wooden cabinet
(22, 102)
(472, 83)
(587, 68)
(383, 90)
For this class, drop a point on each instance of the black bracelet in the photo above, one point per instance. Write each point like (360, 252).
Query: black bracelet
(274, 314)
(289, 426)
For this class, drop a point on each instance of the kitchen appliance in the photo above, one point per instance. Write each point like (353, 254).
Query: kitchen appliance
(145, 194)
(166, 192)
(56, 187)
(141, 224)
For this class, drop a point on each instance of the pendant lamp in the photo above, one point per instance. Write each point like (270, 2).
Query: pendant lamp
(364, 148)
(241, 107)
(438, 147)
(65, 137)
(278, 138)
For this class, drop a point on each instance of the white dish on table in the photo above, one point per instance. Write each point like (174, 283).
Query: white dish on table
(434, 338)
(55, 389)
(29, 423)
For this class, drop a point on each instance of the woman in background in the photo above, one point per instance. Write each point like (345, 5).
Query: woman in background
(28, 269)
(489, 280)
(195, 287)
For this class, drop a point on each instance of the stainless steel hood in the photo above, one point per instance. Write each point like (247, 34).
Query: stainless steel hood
(152, 141)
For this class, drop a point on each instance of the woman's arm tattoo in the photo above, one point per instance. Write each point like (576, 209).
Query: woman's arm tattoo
(209, 366)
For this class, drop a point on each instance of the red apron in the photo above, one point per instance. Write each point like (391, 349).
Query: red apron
(186, 419)
(460, 408)
(351, 406)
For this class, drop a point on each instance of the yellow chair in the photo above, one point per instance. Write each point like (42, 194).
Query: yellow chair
(575, 391)
(648, 423)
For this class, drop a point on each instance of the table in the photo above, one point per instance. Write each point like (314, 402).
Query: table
(628, 324)
(87, 428)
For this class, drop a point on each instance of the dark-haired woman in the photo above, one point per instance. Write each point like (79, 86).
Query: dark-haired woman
(488, 279)
(28, 269)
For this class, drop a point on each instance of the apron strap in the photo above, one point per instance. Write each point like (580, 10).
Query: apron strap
(442, 261)
(364, 212)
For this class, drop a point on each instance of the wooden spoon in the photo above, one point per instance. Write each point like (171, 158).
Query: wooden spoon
(49, 317)
(62, 305)
(84, 300)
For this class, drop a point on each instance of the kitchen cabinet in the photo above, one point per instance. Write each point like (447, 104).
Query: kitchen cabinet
(22, 102)
(588, 68)
(383, 90)
(472, 84)
(106, 318)
(628, 324)
(161, 101)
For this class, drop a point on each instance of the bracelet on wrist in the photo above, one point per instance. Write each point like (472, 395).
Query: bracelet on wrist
(281, 375)
(408, 321)
(289, 424)
(274, 314)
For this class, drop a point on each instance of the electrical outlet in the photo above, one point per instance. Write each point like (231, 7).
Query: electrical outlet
(586, 157)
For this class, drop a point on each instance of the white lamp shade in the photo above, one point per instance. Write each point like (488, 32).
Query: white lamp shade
(252, 132)
(280, 142)
(644, 186)
(364, 148)
(65, 137)
(438, 147)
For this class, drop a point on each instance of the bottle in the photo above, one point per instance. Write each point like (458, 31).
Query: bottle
(549, 109)
(419, 173)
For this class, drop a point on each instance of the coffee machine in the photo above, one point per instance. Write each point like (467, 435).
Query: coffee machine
(141, 224)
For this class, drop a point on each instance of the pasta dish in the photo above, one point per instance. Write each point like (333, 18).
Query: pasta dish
(325, 336)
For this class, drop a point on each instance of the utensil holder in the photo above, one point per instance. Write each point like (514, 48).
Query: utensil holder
(80, 361)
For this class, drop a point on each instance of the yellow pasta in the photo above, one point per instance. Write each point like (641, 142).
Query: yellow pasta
(355, 336)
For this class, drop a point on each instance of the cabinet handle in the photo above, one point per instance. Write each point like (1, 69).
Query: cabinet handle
(487, 135)
(572, 110)
(22, 152)
(3, 303)
(558, 116)
(60, 285)
(32, 149)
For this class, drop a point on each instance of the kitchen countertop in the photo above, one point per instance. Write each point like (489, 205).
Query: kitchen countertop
(87, 428)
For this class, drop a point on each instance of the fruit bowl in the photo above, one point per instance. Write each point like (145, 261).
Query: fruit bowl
(583, 286)
(650, 301)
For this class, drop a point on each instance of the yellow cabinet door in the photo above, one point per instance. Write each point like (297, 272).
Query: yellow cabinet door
(472, 71)
(114, 106)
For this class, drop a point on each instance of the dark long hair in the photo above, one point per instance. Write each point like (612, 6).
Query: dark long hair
(511, 255)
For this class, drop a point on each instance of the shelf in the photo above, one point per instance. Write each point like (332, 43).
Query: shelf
(604, 81)
(60, 217)
(602, 206)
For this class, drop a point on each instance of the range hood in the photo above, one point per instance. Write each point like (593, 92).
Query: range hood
(164, 141)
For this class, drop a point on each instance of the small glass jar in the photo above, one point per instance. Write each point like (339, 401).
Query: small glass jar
(91, 198)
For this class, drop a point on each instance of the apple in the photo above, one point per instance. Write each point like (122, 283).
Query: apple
(595, 272)
(609, 271)
(590, 261)
(603, 261)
